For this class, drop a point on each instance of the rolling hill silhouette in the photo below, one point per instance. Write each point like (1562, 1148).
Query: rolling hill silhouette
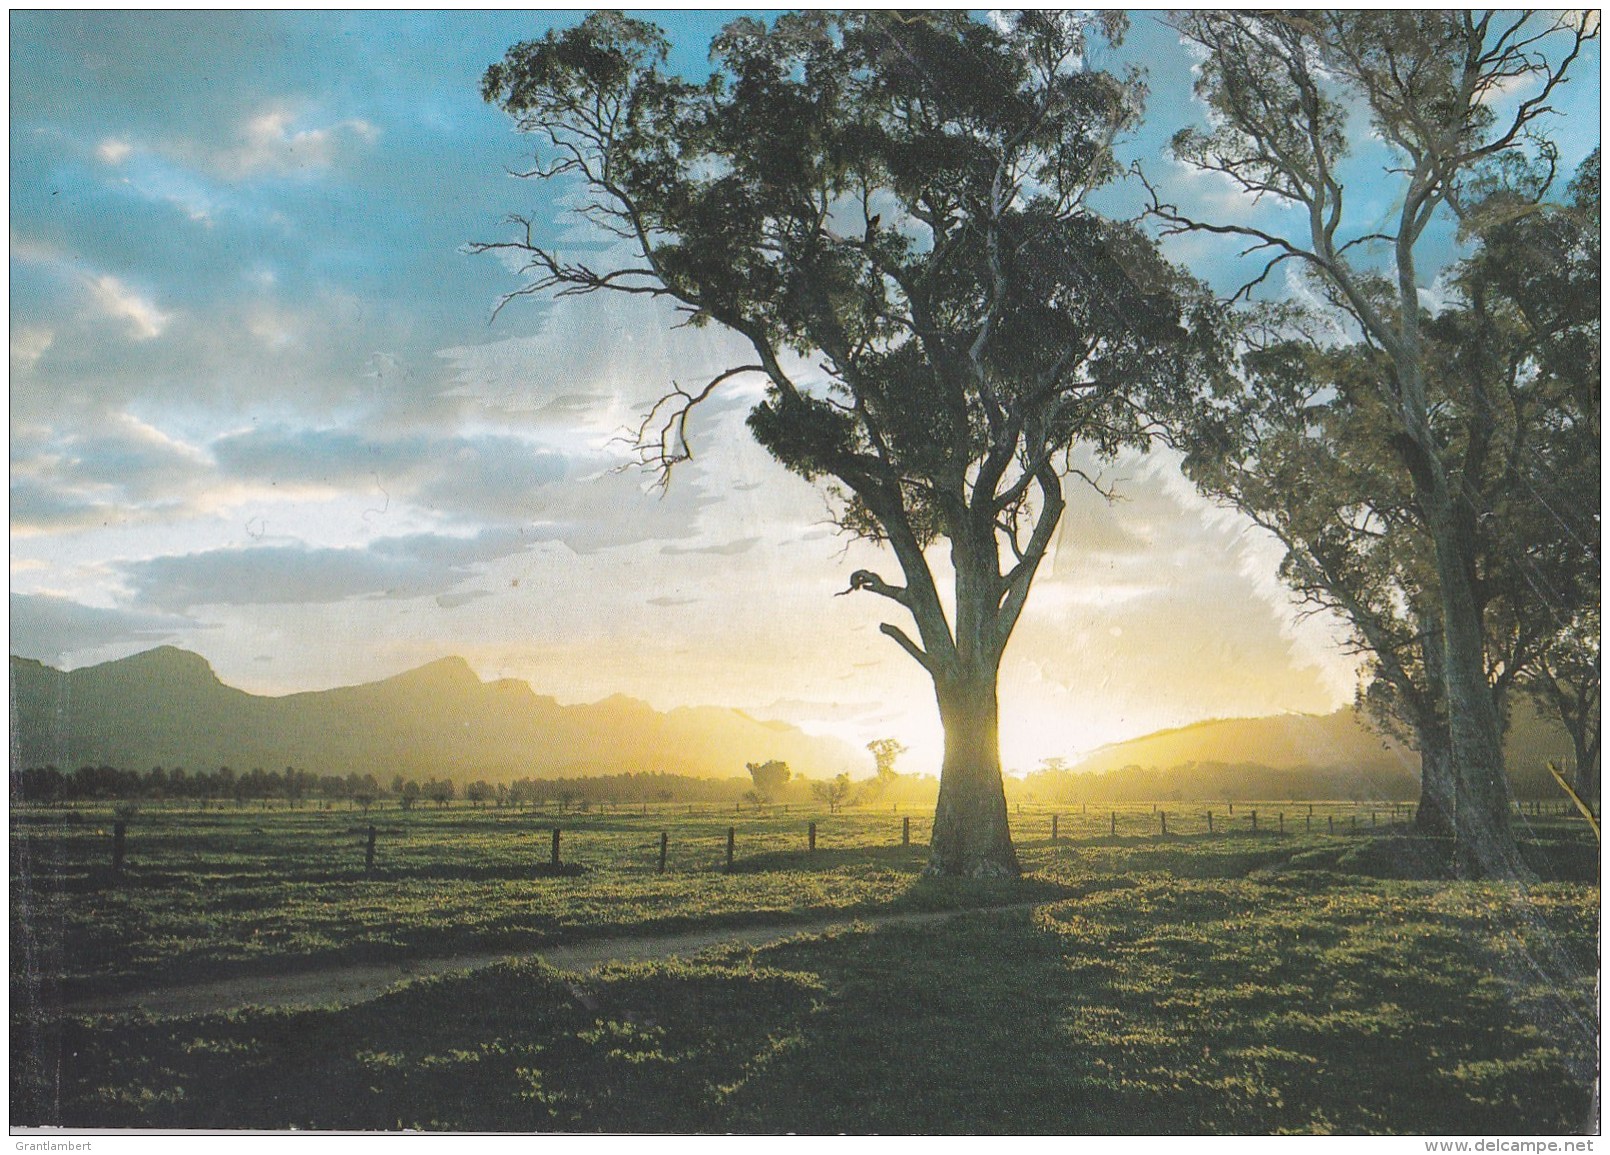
(166, 707)
(1337, 752)
(1341, 738)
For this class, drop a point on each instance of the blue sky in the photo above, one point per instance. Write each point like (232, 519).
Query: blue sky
(259, 409)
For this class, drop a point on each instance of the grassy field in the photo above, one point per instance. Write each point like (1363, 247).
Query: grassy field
(1287, 979)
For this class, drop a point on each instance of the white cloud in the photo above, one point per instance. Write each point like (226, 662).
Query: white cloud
(38, 507)
(1442, 293)
(271, 142)
(113, 151)
(97, 469)
(1217, 196)
(33, 250)
(274, 328)
(159, 172)
(117, 300)
(108, 294)
(28, 344)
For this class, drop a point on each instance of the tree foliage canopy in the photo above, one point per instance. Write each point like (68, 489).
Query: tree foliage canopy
(1418, 467)
(890, 210)
(769, 777)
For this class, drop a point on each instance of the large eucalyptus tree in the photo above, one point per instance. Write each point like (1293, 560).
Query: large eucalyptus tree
(1458, 100)
(1296, 446)
(891, 212)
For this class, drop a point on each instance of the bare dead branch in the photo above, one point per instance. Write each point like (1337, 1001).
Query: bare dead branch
(660, 440)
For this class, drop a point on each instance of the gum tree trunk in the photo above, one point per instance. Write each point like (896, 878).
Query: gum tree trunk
(1482, 800)
(1486, 843)
(1587, 769)
(1435, 816)
(1438, 790)
(971, 836)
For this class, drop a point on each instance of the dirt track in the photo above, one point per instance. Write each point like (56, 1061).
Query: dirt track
(342, 986)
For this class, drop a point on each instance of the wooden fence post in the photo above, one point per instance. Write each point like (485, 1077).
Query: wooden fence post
(1115, 822)
(905, 831)
(120, 831)
(732, 835)
(1210, 822)
(1255, 822)
(1162, 818)
(1330, 822)
(556, 846)
(665, 843)
(1281, 819)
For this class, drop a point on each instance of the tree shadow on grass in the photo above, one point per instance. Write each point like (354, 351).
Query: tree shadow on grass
(1174, 1007)
(1157, 1006)
(1391, 853)
(1413, 856)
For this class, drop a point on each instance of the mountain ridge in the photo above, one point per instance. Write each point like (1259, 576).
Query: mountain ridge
(1342, 739)
(168, 707)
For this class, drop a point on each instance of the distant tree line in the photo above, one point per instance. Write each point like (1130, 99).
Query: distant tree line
(92, 783)
(292, 786)
(1056, 782)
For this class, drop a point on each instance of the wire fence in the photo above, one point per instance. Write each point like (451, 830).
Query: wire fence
(651, 837)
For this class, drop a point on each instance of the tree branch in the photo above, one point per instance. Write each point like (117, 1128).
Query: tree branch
(864, 579)
(908, 645)
(663, 449)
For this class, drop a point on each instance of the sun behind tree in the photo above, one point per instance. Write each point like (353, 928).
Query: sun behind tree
(890, 211)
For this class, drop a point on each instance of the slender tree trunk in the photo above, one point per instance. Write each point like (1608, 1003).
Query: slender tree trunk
(1435, 816)
(1438, 790)
(1482, 799)
(1580, 719)
(1586, 778)
(971, 836)
(1486, 844)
